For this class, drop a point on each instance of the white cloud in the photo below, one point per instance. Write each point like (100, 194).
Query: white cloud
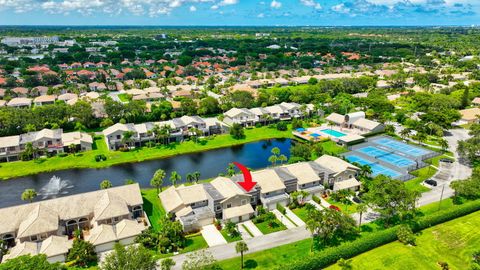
(228, 2)
(261, 15)
(341, 8)
(193, 8)
(275, 4)
(311, 3)
(214, 7)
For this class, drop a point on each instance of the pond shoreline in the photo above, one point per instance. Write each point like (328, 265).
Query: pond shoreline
(83, 163)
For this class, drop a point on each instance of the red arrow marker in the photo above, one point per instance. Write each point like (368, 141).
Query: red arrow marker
(247, 183)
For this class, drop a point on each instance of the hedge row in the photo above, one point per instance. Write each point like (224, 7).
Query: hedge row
(350, 249)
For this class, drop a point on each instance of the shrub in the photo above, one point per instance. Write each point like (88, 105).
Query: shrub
(316, 199)
(62, 154)
(346, 250)
(405, 235)
(282, 126)
(100, 157)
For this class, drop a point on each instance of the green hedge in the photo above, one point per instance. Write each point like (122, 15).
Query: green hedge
(316, 199)
(347, 250)
(281, 209)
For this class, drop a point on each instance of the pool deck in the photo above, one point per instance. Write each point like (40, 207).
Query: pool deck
(347, 134)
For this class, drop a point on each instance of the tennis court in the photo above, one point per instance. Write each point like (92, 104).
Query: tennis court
(401, 147)
(376, 168)
(386, 156)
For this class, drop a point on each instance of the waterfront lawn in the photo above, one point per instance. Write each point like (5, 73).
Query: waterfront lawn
(229, 238)
(331, 148)
(265, 227)
(452, 242)
(152, 207)
(87, 159)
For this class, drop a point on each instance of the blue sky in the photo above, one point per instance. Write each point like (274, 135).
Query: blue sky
(240, 12)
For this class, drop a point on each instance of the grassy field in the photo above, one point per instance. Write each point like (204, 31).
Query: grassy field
(301, 213)
(267, 259)
(87, 159)
(345, 208)
(452, 242)
(424, 174)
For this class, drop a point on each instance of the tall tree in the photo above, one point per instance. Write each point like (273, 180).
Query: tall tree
(175, 177)
(126, 258)
(29, 195)
(241, 247)
(157, 179)
(82, 253)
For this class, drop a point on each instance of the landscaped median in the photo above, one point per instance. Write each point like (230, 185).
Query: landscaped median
(298, 256)
(87, 159)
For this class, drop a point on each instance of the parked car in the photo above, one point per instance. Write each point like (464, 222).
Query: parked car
(431, 182)
(357, 200)
(446, 160)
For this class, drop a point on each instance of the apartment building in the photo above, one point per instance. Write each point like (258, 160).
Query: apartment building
(103, 217)
(224, 199)
(46, 141)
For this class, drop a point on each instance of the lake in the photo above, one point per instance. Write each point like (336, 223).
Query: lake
(209, 163)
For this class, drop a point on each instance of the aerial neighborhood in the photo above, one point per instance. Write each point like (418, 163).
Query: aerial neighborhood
(239, 147)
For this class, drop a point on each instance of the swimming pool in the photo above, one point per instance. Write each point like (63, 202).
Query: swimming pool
(333, 133)
(386, 156)
(376, 168)
(401, 147)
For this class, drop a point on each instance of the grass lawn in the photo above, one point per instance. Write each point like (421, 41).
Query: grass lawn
(194, 242)
(348, 209)
(425, 173)
(265, 229)
(229, 238)
(301, 213)
(124, 97)
(452, 242)
(87, 159)
(270, 258)
(152, 206)
(330, 147)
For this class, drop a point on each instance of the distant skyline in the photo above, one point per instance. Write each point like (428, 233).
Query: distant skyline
(240, 12)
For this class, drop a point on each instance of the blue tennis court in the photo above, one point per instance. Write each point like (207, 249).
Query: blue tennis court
(376, 168)
(402, 147)
(386, 156)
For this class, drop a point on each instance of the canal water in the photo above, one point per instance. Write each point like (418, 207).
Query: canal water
(209, 163)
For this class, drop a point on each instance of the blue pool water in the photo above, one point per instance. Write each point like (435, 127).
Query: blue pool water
(386, 156)
(401, 147)
(333, 133)
(376, 168)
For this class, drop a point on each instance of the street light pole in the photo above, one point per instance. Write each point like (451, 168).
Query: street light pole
(441, 197)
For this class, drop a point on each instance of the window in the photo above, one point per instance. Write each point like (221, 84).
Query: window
(33, 238)
(229, 205)
(218, 208)
(350, 176)
(339, 178)
(118, 137)
(244, 202)
(252, 199)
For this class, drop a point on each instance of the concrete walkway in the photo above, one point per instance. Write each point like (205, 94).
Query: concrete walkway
(285, 221)
(318, 206)
(243, 232)
(212, 236)
(324, 203)
(298, 221)
(252, 228)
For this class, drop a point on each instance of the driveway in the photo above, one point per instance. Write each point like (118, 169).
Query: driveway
(284, 220)
(252, 228)
(213, 236)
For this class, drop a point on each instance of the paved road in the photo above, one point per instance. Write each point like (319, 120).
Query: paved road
(459, 170)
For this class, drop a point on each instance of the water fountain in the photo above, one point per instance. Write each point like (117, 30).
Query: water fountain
(56, 186)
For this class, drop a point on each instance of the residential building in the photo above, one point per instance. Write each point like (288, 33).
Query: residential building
(470, 116)
(104, 218)
(341, 174)
(46, 141)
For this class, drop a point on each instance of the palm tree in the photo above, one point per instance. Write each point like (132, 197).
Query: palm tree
(405, 133)
(361, 208)
(444, 144)
(365, 170)
(29, 194)
(73, 148)
(230, 169)
(127, 138)
(275, 151)
(105, 184)
(196, 176)
(189, 177)
(174, 177)
(273, 159)
(345, 264)
(241, 247)
(282, 159)
(157, 179)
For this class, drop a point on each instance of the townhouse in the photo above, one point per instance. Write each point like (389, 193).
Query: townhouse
(224, 199)
(102, 217)
(176, 129)
(282, 111)
(355, 121)
(46, 141)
